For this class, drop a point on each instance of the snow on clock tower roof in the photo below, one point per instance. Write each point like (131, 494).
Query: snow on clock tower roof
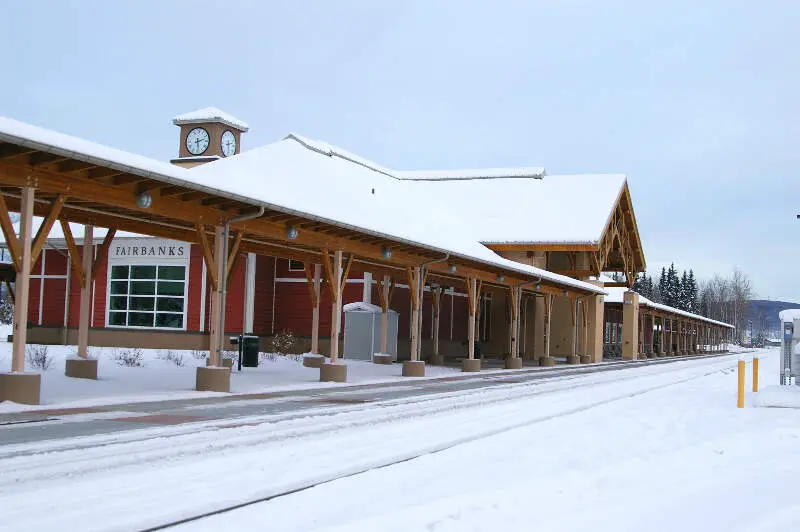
(209, 114)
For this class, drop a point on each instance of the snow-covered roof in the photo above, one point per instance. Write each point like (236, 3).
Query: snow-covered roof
(789, 315)
(563, 209)
(209, 114)
(289, 177)
(534, 172)
(361, 306)
(615, 294)
(331, 186)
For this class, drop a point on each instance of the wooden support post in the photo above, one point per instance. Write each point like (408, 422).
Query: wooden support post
(22, 283)
(415, 288)
(548, 315)
(336, 311)
(314, 279)
(86, 292)
(437, 307)
(218, 268)
(472, 301)
(514, 324)
(385, 289)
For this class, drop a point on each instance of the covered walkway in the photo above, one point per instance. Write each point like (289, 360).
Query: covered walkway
(356, 215)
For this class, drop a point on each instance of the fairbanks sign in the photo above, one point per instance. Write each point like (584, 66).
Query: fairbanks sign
(148, 248)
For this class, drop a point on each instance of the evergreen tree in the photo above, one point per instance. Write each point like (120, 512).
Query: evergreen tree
(694, 305)
(651, 295)
(671, 296)
(685, 302)
(662, 286)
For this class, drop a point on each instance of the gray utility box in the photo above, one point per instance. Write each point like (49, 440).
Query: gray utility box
(362, 331)
(790, 345)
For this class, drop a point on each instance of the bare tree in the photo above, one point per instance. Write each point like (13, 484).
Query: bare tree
(727, 300)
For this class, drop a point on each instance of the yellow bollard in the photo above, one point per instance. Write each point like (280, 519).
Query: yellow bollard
(755, 375)
(740, 397)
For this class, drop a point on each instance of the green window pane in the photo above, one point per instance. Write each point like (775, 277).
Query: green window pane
(174, 273)
(119, 272)
(170, 304)
(170, 288)
(169, 320)
(119, 287)
(116, 318)
(140, 319)
(141, 303)
(118, 303)
(143, 272)
(143, 288)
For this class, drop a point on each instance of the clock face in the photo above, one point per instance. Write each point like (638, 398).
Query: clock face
(228, 143)
(197, 141)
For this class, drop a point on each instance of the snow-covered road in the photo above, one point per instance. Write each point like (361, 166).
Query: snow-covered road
(616, 446)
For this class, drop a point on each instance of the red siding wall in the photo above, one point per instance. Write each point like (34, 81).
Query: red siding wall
(262, 305)
(234, 301)
(100, 283)
(195, 288)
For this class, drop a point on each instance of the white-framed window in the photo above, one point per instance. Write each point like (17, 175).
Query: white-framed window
(296, 266)
(147, 296)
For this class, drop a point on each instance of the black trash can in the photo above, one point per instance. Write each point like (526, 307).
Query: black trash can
(250, 346)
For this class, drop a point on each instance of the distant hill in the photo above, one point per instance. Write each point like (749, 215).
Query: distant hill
(767, 310)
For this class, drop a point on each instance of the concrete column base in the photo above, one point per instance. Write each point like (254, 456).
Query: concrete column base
(413, 368)
(333, 373)
(23, 388)
(660, 354)
(650, 355)
(471, 364)
(81, 368)
(573, 359)
(513, 363)
(227, 363)
(380, 358)
(313, 361)
(213, 379)
(547, 361)
(586, 359)
(436, 360)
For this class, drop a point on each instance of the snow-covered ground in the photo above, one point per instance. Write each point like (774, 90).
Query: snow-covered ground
(652, 448)
(159, 377)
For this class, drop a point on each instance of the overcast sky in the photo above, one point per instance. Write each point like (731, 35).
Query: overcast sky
(697, 102)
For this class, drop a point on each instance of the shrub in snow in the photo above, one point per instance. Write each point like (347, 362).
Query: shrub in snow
(199, 354)
(282, 342)
(171, 356)
(274, 357)
(37, 357)
(131, 358)
(6, 310)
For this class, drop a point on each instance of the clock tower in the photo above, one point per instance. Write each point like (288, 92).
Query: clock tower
(207, 135)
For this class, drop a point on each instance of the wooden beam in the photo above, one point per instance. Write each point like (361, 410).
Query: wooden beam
(99, 173)
(11, 236)
(40, 158)
(73, 165)
(345, 273)
(413, 286)
(44, 229)
(310, 282)
(12, 150)
(327, 269)
(102, 251)
(233, 253)
(74, 256)
(208, 255)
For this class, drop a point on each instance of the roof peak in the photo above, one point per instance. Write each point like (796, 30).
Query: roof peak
(210, 114)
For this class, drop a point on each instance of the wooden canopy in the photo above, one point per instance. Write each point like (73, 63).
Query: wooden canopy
(619, 248)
